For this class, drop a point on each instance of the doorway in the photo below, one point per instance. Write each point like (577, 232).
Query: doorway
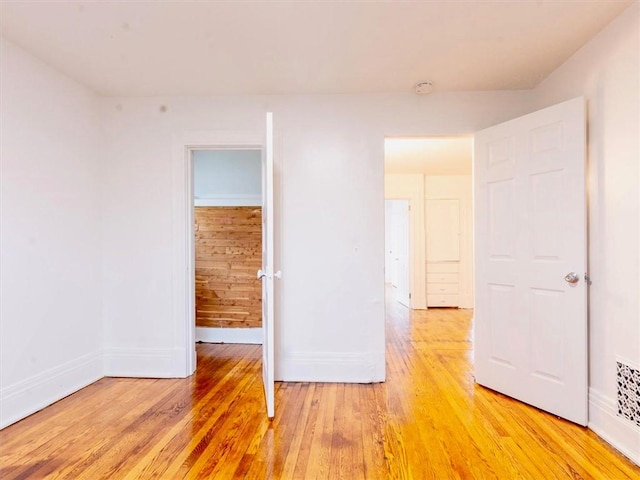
(227, 187)
(530, 330)
(397, 249)
(434, 175)
(183, 271)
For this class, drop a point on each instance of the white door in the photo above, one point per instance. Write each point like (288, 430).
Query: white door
(531, 258)
(397, 248)
(267, 272)
(402, 250)
(389, 263)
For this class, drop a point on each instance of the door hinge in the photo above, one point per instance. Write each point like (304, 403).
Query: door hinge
(587, 279)
(409, 207)
(409, 295)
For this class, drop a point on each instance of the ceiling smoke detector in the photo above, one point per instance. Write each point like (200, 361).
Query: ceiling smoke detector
(424, 88)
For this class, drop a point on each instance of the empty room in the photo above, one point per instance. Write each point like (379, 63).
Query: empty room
(157, 325)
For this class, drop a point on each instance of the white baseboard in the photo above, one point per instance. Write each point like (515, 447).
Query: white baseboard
(145, 362)
(329, 367)
(229, 200)
(251, 336)
(622, 434)
(28, 396)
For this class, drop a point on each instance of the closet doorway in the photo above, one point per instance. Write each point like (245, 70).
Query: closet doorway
(227, 186)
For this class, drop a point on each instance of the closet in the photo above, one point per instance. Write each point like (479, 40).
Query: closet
(228, 244)
(443, 252)
(447, 202)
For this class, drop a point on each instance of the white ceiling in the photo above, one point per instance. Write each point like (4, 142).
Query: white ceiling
(202, 48)
(429, 155)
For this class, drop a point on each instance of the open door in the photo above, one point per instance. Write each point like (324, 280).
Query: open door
(267, 273)
(531, 260)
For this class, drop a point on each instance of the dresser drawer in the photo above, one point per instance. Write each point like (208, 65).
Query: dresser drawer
(442, 288)
(442, 301)
(442, 277)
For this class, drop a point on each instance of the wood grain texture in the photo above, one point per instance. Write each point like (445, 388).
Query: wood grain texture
(228, 249)
(428, 421)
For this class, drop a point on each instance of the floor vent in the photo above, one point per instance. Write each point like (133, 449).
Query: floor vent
(629, 393)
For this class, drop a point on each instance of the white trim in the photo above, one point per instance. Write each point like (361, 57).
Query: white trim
(145, 362)
(229, 200)
(252, 336)
(329, 367)
(183, 263)
(622, 434)
(411, 187)
(28, 396)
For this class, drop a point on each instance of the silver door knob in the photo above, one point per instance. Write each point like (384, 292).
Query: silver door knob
(572, 277)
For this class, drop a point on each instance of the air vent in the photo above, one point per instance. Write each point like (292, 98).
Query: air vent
(629, 393)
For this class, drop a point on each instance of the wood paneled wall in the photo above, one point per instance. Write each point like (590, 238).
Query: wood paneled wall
(228, 248)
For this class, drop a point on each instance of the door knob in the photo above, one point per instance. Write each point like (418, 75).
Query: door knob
(572, 277)
(262, 274)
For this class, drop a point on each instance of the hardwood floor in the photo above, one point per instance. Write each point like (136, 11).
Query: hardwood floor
(428, 421)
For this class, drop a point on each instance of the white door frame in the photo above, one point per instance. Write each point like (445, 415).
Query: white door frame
(413, 191)
(183, 242)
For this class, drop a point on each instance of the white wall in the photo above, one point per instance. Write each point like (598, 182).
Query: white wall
(606, 72)
(50, 314)
(227, 177)
(329, 209)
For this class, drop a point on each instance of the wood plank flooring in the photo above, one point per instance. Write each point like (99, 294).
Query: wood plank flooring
(428, 421)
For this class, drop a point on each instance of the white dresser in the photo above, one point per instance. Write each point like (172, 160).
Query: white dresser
(443, 284)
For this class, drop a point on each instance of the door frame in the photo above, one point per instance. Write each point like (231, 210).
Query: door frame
(183, 241)
(414, 193)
